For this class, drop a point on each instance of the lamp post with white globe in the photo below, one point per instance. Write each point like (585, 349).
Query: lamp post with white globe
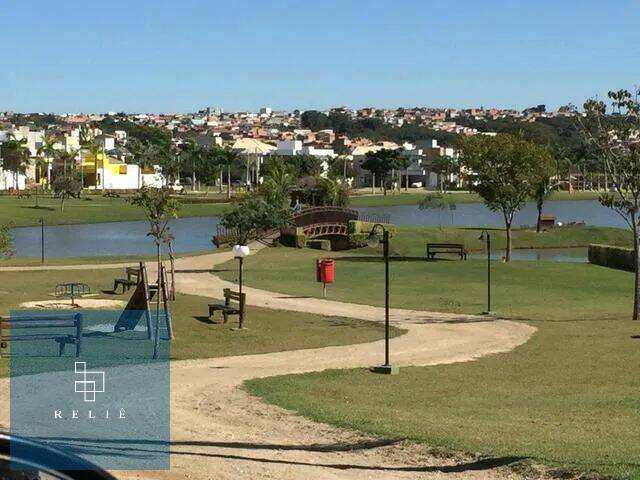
(240, 252)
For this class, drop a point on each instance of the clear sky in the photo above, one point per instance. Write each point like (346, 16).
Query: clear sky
(183, 55)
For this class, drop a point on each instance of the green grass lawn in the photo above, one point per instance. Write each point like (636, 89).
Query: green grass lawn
(89, 209)
(413, 196)
(269, 330)
(412, 240)
(36, 261)
(520, 289)
(567, 398)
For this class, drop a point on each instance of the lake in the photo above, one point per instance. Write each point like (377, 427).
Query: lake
(116, 238)
(476, 214)
(194, 234)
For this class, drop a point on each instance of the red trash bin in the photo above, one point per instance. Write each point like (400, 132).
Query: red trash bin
(327, 268)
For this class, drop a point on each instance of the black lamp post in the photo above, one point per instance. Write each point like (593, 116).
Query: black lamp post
(42, 239)
(486, 236)
(372, 241)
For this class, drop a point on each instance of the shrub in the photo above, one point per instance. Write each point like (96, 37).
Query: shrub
(613, 257)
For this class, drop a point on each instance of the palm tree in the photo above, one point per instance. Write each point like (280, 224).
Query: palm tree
(193, 154)
(95, 149)
(15, 157)
(226, 157)
(47, 152)
(65, 158)
(278, 183)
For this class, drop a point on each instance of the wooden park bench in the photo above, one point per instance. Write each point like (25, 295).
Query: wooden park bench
(48, 324)
(133, 277)
(456, 248)
(226, 308)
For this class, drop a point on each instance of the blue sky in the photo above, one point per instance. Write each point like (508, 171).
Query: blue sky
(159, 55)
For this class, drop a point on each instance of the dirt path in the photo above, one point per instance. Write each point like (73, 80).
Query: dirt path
(219, 432)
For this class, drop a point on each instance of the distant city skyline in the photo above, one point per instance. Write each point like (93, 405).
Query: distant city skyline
(167, 56)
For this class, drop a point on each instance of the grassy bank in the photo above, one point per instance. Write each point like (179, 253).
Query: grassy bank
(411, 241)
(269, 330)
(89, 209)
(363, 198)
(566, 399)
(531, 290)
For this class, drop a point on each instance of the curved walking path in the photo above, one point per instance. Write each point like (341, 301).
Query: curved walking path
(220, 432)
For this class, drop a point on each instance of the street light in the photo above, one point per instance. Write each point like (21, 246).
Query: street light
(486, 236)
(42, 239)
(239, 252)
(373, 241)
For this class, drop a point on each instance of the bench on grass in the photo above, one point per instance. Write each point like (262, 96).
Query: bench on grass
(52, 327)
(133, 277)
(226, 308)
(456, 248)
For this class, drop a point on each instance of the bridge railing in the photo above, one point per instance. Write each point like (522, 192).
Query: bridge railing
(375, 217)
(315, 215)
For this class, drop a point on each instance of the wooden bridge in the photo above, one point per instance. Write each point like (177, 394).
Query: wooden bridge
(316, 222)
(319, 222)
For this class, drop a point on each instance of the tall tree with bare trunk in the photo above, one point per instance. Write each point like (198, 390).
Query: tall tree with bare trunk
(614, 133)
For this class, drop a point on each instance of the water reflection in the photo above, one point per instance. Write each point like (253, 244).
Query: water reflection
(573, 255)
(117, 238)
(477, 214)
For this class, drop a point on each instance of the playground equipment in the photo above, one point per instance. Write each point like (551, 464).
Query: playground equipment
(140, 303)
(72, 290)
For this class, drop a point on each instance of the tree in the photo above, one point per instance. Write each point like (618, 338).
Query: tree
(614, 137)
(253, 218)
(66, 183)
(504, 171)
(380, 163)
(277, 184)
(226, 158)
(65, 160)
(541, 192)
(314, 120)
(342, 167)
(437, 201)
(159, 207)
(48, 152)
(89, 142)
(333, 192)
(6, 241)
(444, 166)
(192, 157)
(170, 160)
(143, 155)
(15, 157)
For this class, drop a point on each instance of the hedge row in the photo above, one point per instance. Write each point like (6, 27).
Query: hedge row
(613, 257)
